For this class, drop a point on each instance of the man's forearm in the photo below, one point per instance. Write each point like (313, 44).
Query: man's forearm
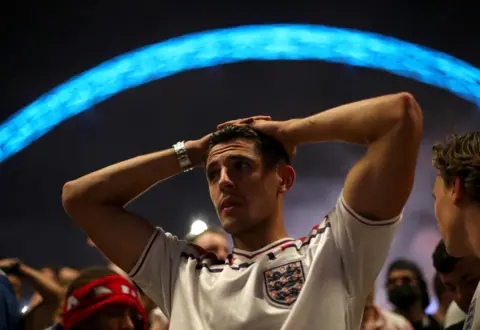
(120, 183)
(361, 122)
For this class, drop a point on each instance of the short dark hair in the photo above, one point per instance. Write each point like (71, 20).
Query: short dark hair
(271, 149)
(213, 230)
(88, 275)
(403, 264)
(442, 261)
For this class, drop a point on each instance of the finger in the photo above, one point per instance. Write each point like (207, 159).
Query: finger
(261, 117)
(230, 122)
(244, 121)
(233, 123)
(254, 118)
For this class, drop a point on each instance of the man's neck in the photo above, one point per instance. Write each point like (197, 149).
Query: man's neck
(263, 234)
(472, 227)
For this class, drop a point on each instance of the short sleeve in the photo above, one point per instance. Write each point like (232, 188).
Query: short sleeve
(157, 269)
(363, 245)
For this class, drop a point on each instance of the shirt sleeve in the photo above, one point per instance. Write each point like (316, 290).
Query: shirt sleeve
(363, 245)
(157, 269)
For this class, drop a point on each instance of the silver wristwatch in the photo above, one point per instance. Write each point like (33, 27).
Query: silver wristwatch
(182, 156)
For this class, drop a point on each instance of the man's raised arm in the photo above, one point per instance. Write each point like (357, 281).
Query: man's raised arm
(379, 184)
(96, 201)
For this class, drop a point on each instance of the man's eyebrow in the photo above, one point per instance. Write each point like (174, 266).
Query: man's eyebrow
(238, 157)
(229, 158)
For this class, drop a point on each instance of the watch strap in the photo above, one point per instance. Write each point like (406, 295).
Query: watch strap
(182, 156)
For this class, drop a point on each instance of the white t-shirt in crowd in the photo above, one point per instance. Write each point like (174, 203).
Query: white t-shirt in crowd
(472, 321)
(453, 315)
(318, 282)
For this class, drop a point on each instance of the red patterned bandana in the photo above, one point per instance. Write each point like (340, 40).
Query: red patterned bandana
(82, 303)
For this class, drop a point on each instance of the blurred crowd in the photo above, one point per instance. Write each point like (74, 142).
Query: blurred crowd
(53, 286)
(455, 282)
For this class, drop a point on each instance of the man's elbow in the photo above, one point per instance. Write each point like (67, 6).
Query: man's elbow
(409, 110)
(71, 197)
(407, 116)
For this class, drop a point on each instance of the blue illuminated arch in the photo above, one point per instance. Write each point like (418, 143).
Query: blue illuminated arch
(261, 42)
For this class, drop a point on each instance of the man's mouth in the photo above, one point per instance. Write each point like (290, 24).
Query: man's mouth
(229, 203)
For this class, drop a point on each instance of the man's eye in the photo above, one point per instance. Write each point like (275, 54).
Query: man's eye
(212, 175)
(242, 165)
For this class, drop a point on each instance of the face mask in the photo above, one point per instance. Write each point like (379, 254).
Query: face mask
(403, 296)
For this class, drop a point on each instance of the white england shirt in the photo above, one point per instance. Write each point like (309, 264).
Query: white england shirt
(472, 321)
(320, 281)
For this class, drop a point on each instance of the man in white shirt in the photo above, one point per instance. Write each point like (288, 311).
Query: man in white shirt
(270, 281)
(457, 202)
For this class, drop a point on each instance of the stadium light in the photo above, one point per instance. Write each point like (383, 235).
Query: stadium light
(197, 227)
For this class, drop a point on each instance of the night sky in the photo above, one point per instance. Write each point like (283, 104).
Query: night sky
(44, 47)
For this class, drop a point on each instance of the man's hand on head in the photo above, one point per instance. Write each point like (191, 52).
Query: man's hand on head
(197, 149)
(243, 121)
(265, 124)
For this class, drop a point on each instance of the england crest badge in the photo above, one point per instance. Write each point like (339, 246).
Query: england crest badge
(284, 283)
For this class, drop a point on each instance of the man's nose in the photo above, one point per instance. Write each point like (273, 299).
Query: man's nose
(225, 181)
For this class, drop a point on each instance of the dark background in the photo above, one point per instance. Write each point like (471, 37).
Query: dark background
(46, 44)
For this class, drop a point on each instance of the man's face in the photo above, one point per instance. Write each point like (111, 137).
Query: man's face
(398, 277)
(243, 191)
(112, 317)
(463, 280)
(449, 219)
(403, 288)
(214, 243)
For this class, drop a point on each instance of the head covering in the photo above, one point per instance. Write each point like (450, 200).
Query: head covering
(84, 302)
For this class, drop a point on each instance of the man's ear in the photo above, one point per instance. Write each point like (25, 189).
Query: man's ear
(457, 190)
(286, 177)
